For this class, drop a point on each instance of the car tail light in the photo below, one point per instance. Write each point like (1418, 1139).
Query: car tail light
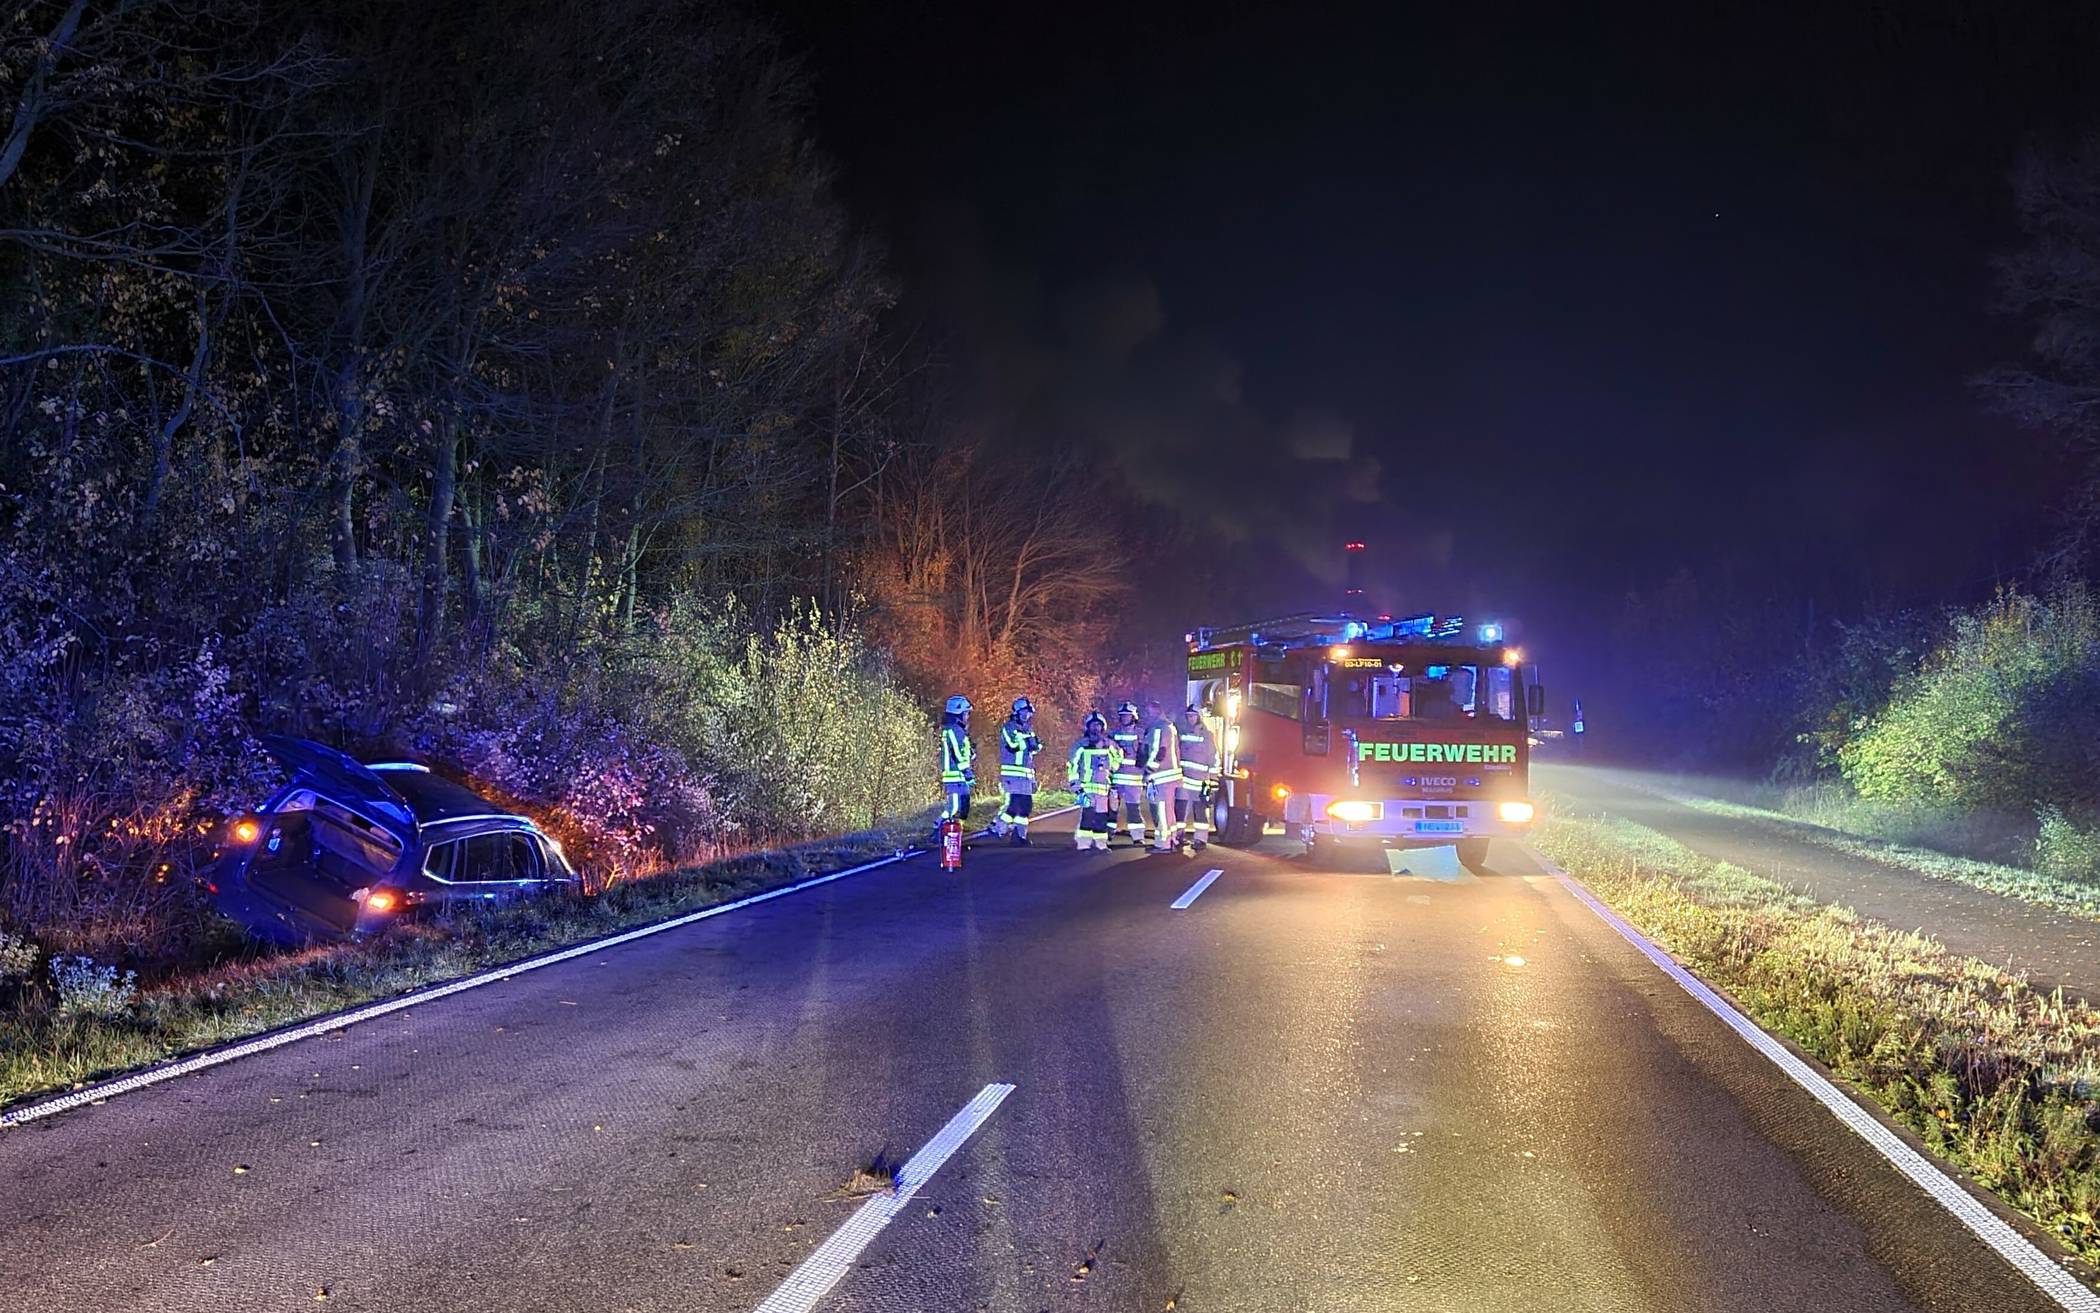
(1516, 813)
(247, 830)
(1355, 811)
(382, 901)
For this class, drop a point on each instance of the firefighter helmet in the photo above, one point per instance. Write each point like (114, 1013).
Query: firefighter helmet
(1095, 721)
(1127, 709)
(1023, 707)
(958, 705)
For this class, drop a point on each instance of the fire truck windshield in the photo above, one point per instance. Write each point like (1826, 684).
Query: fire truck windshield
(1436, 692)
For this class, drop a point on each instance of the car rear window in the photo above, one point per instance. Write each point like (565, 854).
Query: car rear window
(330, 840)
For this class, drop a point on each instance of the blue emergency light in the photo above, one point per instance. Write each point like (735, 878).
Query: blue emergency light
(1491, 633)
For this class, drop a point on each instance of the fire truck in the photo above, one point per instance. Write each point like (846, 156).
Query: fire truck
(1406, 733)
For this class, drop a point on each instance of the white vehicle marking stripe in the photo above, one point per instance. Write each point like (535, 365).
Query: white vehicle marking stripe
(197, 1062)
(2068, 1292)
(814, 1276)
(1195, 891)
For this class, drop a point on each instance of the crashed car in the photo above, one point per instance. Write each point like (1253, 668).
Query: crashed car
(347, 848)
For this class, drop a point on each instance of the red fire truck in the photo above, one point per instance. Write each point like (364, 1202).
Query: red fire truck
(1410, 733)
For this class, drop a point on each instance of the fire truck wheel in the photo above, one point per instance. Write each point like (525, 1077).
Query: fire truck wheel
(1473, 855)
(1236, 826)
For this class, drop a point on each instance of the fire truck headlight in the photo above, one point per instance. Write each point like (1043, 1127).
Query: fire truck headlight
(1354, 811)
(1516, 813)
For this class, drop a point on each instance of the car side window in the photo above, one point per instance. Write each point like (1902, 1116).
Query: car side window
(553, 860)
(441, 859)
(524, 857)
(500, 856)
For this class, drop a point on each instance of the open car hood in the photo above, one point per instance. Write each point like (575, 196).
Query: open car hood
(347, 781)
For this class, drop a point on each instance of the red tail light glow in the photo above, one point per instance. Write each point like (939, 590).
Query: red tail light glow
(247, 830)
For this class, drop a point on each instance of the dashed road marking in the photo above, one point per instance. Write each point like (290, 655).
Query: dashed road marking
(1181, 904)
(814, 1276)
(2068, 1292)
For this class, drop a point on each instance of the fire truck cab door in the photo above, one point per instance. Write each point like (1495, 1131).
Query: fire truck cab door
(1319, 731)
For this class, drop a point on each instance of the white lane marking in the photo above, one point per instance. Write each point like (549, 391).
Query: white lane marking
(1195, 891)
(814, 1276)
(2068, 1292)
(197, 1062)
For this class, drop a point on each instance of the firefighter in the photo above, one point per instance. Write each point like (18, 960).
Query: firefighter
(1130, 772)
(1018, 746)
(958, 760)
(1198, 754)
(1092, 771)
(1162, 768)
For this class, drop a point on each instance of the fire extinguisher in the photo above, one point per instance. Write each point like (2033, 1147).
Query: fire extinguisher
(951, 844)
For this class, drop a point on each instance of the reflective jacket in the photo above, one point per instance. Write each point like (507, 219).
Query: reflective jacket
(1093, 765)
(958, 755)
(1017, 751)
(1130, 743)
(1199, 757)
(1162, 765)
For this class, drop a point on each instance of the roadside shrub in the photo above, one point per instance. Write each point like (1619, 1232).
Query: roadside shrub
(87, 988)
(824, 731)
(805, 726)
(2005, 713)
(17, 958)
(2063, 847)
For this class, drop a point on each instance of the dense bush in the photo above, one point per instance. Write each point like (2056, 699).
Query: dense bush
(2066, 847)
(2004, 713)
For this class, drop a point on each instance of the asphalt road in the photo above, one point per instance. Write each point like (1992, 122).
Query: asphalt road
(1310, 1090)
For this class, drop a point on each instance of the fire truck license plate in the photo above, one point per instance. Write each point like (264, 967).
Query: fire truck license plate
(1440, 827)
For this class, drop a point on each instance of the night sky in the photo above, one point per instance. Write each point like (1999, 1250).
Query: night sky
(1546, 304)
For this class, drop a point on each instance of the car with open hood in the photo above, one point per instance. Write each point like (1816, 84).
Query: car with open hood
(346, 848)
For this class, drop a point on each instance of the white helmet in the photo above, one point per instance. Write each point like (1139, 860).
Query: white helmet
(958, 705)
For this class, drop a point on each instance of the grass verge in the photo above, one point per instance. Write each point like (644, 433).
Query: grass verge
(1992, 1075)
(2066, 894)
(43, 1051)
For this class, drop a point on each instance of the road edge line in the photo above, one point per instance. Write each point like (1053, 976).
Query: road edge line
(815, 1275)
(102, 1091)
(1195, 890)
(1994, 1231)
